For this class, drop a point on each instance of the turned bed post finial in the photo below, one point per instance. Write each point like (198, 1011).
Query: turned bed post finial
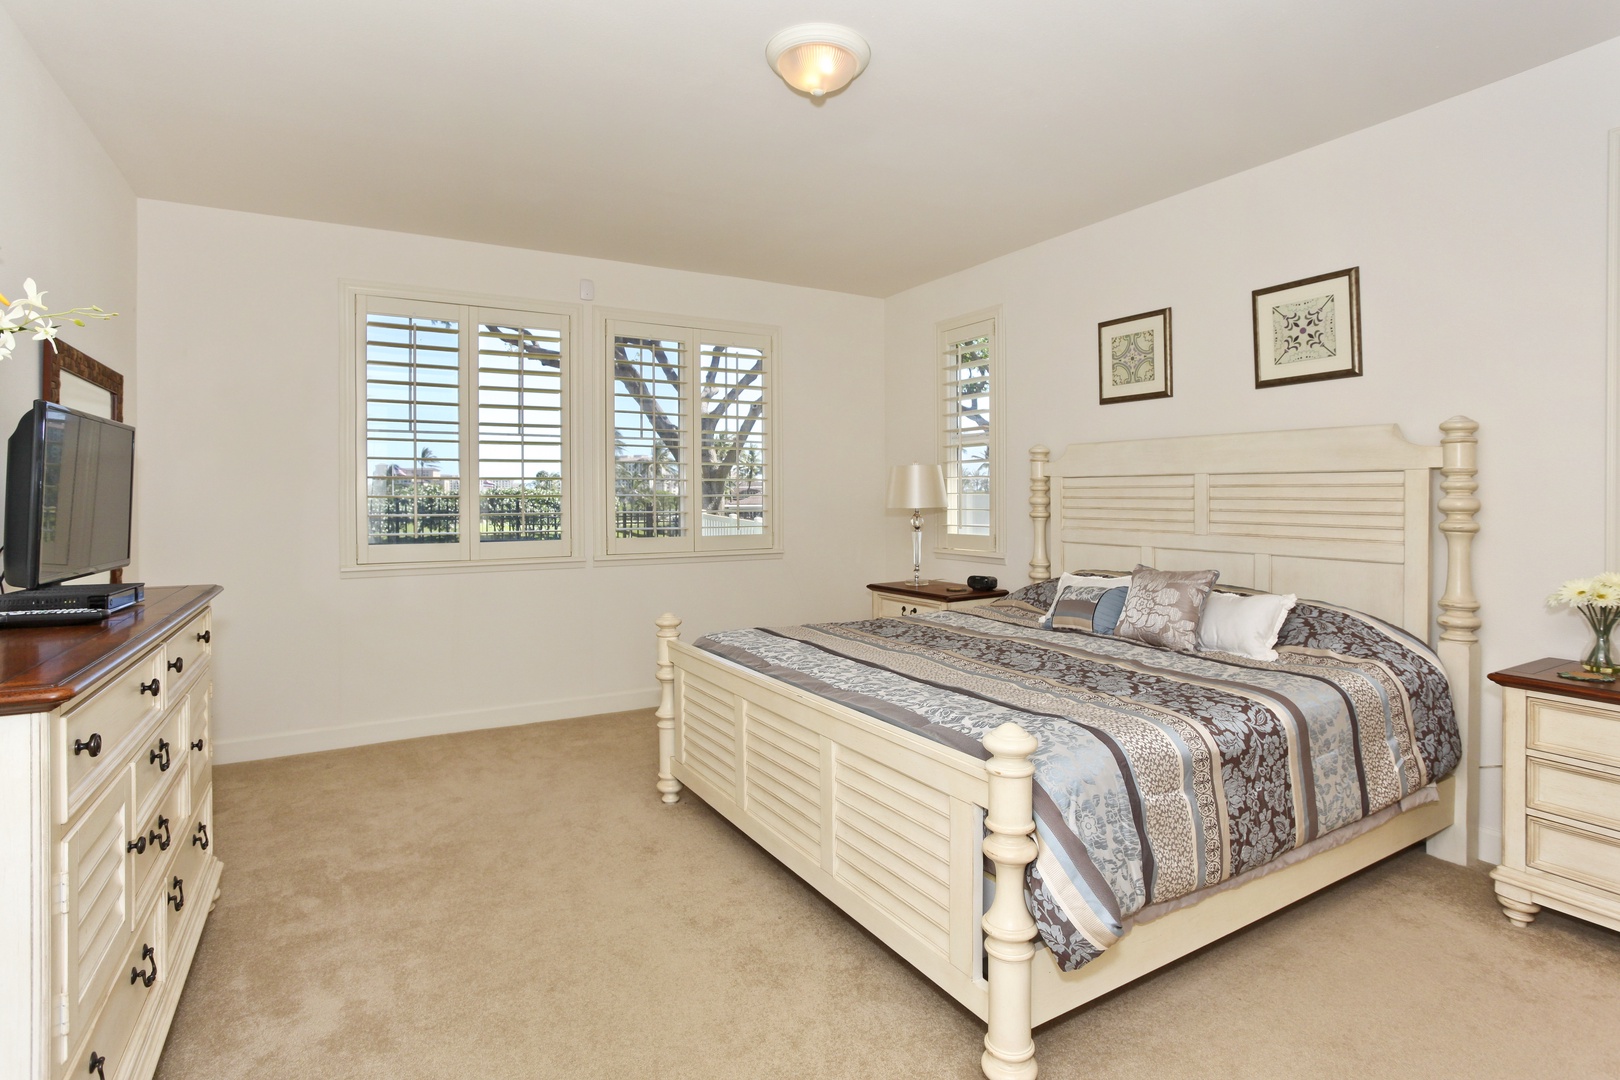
(1040, 511)
(1009, 930)
(669, 629)
(1459, 621)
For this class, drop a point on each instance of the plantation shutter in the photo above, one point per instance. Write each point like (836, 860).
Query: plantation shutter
(691, 435)
(968, 435)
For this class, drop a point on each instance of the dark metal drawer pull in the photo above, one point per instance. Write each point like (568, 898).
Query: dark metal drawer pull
(145, 978)
(180, 900)
(177, 665)
(200, 837)
(151, 687)
(92, 746)
(197, 745)
(137, 845)
(160, 756)
(98, 1063)
(206, 636)
(152, 837)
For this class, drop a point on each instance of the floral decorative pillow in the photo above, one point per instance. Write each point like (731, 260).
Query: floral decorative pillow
(1163, 607)
(1035, 599)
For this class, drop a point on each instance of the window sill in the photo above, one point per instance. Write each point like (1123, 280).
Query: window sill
(482, 566)
(604, 558)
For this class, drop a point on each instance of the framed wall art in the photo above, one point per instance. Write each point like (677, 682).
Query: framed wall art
(1133, 358)
(1308, 330)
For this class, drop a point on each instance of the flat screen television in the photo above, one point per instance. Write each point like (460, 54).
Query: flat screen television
(69, 487)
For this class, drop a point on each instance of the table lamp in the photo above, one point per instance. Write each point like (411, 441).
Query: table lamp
(916, 488)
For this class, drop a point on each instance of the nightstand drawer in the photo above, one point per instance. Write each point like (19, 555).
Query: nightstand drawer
(1582, 794)
(886, 606)
(1573, 729)
(1573, 853)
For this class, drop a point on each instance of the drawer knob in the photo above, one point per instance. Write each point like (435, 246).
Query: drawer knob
(98, 1065)
(160, 756)
(197, 745)
(145, 978)
(200, 837)
(137, 845)
(179, 901)
(152, 836)
(151, 687)
(92, 746)
(206, 636)
(177, 665)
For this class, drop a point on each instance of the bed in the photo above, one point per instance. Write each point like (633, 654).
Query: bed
(900, 829)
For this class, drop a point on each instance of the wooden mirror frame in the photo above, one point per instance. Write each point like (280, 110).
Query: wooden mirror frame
(58, 356)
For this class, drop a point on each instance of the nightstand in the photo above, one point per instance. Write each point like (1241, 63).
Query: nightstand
(892, 599)
(1560, 795)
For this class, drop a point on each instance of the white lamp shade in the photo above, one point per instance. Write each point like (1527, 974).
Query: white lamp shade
(916, 487)
(818, 58)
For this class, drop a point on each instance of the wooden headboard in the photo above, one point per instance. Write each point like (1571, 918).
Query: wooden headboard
(1337, 514)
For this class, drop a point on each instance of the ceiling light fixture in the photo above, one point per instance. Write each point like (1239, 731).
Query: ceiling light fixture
(818, 58)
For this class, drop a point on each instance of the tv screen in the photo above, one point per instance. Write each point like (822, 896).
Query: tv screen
(69, 482)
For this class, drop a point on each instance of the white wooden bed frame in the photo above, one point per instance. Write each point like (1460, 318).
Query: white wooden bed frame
(893, 827)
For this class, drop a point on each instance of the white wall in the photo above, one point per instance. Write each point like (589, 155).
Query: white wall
(68, 222)
(240, 345)
(1479, 227)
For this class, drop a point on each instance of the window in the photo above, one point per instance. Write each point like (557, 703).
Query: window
(969, 444)
(462, 437)
(689, 416)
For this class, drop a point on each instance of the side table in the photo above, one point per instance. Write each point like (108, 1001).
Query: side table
(893, 599)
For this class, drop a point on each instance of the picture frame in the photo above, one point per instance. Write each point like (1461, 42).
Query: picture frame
(73, 378)
(1308, 330)
(1134, 358)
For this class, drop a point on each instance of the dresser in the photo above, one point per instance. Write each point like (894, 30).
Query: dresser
(107, 861)
(893, 599)
(1560, 795)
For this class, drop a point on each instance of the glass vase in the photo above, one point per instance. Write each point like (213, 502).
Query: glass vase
(1601, 620)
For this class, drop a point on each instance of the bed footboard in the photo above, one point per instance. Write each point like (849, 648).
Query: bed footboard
(886, 824)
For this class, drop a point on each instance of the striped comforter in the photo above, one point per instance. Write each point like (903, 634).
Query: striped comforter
(1158, 772)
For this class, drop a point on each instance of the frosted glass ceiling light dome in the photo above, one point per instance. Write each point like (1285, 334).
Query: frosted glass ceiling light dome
(818, 58)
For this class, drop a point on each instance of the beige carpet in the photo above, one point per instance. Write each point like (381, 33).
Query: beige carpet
(517, 903)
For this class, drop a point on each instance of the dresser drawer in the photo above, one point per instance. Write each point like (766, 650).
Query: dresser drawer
(200, 735)
(164, 831)
(1573, 853)
(189, 649)
(98, 869)
(1573, 729)
(1583, 794)
(100, 726)
(161, 756)
(182, 892)
(109, 1040)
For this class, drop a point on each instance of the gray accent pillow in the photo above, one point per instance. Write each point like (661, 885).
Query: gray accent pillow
(1092, 608)
(1163, 607)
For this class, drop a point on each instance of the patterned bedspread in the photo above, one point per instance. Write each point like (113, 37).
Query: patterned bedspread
(1158, 772)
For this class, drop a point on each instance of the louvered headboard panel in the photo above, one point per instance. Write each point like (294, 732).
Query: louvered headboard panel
(1335, 514)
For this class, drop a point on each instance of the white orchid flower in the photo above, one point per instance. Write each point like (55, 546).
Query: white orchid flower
(36, 299)
(44, 330)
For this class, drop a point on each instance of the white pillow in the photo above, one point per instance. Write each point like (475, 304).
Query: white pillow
(1244, 625)
(1070, 580)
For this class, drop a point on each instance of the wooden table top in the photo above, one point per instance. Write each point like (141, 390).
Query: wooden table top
(937, 590)
(43, 666)
(1543, 675)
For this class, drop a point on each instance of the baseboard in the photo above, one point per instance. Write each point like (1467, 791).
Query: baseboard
(1490, 844)
(311, 740)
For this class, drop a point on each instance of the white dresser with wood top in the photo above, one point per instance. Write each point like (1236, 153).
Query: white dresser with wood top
(107, 862)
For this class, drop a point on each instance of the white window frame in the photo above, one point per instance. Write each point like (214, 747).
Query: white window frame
(987, 322)
(467, 552)
(693, 333)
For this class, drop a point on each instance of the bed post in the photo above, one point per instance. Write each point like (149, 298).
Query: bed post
(1009, 1045)
(1459, 619)
(669, 629)
(1040, 511)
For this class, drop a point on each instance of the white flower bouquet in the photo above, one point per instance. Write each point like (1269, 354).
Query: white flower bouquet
(29, 314)
(1598, 601)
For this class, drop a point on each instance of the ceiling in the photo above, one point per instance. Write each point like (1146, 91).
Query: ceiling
(653, 132)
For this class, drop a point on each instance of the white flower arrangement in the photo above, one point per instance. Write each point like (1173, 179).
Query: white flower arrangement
(1602, 591)
(29, 313)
